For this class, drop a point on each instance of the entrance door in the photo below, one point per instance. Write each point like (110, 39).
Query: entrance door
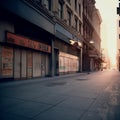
(56, 65)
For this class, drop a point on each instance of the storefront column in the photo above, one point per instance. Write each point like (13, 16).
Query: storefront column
(52, 59)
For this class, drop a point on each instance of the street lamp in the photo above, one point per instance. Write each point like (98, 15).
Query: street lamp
(78, 44)
(73, 42)
(91, 41)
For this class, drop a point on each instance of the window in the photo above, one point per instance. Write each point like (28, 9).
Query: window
(80, 26)
(69, 17)
(76, 23)
(69, 1)
(60, 10)
(119, 36)
(47, 4)
(80, 10)
(38, 2)
(119, 23)
(76, 5)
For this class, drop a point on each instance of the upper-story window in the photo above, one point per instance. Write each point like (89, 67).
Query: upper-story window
(69, 1)
(80, 10)
(38, 2)
(47, 4)
(69, 17)
(60, 10)
(76, 22)
(80, 27)
(76, 5)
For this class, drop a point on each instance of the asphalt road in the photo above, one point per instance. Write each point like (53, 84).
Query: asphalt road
(94, 96)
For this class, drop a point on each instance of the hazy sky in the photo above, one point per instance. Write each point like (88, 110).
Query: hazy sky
(108, 13)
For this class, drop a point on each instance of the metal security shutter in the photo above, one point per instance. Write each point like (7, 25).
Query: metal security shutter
(23, 64)
(17, 63)
(36, 64)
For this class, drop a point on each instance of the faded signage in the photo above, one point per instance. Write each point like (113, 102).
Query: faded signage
(25, 42)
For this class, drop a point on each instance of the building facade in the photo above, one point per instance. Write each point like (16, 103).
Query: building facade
(91, 33)
(118, 43)
(36, 35)
(118, 38)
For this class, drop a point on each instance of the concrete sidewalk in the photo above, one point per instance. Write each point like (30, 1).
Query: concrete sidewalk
(40, 79)
(72, 97)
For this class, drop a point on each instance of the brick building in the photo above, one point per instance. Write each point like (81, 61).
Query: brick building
(41, 38)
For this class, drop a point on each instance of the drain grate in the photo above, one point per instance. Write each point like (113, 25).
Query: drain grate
(52, 84)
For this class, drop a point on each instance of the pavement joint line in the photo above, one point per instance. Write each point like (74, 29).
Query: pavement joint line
(95, 100)
(87, 110)
(49, 108)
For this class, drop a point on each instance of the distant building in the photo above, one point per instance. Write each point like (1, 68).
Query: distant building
(41, 38)
(91, 32)
(118, 38)
(118, 43)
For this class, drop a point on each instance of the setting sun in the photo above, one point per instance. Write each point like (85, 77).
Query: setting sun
(108, 13)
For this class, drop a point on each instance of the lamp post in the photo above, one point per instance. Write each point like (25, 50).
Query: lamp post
(89, 62)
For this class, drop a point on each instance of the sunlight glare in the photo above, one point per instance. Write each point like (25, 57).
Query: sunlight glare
(108, 13)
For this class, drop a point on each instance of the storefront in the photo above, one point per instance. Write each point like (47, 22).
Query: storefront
(23, 58)
(68, 63)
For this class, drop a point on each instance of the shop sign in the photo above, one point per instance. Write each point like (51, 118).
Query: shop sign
(25, 42)
(7, 61)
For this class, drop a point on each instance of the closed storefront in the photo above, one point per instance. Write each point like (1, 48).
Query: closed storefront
(25, 58)
(40, 64)
(68, 63)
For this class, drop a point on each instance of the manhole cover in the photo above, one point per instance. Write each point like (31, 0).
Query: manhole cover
(82, 79)
(52, 84)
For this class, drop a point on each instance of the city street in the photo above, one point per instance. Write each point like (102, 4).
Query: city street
(79, 96)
